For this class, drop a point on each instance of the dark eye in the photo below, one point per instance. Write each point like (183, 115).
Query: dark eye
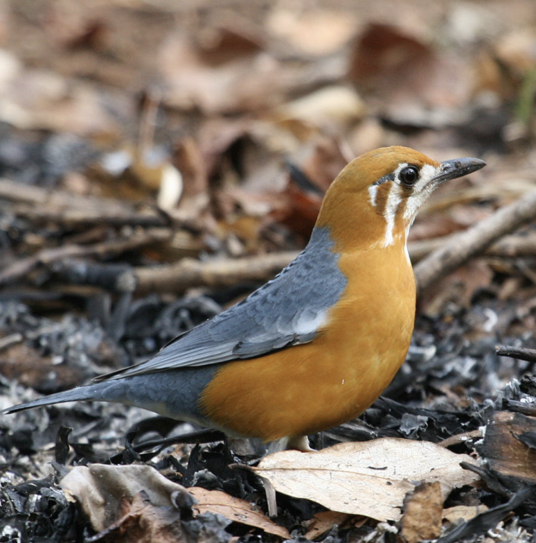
(409, 175)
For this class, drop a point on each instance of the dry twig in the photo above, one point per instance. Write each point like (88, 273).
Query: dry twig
(474, 241)
(191, 273)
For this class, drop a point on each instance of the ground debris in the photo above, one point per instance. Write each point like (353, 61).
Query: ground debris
(161, 160)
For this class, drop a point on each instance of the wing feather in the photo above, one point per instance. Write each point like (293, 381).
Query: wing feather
(289, 310)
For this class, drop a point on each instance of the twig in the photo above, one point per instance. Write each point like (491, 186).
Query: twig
(62, 207)
(30, 194)
(20, 268)
(76, 217)
(191, 273)
(516, 352)
(513, 246)
(474, 241)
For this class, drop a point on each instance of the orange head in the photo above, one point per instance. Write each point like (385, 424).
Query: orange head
(375, 199)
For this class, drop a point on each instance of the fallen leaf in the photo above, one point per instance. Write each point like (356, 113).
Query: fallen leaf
(334, 104)
(422, 513)
(236, 510)
(463, 512)
(249, 80)
(416, 85)
(100, 489)
(44, 100)
(324, 521)
(142, 522)
(314, 32)
(369, 478)
(506, 448)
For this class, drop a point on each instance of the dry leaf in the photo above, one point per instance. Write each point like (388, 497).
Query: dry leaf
(101, 488)
(43, 100)
(335, 104)
(416, 85)
(463, 512)
(422, 513)
(142, 522)
(504, 447)
(369, 478)
(324, 521)
(247, 81)
(236, 510)
(314, 32)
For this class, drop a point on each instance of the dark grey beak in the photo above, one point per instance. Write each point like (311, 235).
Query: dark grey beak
(458, 167)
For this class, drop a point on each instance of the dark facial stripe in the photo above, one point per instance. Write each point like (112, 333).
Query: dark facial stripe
(384, 179)
(381, 198)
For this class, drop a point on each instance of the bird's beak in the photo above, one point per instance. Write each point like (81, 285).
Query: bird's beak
(458, 167)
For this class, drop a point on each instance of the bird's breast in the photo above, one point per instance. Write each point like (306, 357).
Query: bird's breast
(312, 387)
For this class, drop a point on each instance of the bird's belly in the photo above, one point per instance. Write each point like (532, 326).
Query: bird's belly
(309, 388)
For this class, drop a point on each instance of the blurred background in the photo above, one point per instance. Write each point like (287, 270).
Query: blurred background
(234, 116)
(136, 133)
(160, 159)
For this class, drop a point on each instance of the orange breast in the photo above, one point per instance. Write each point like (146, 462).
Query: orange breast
(312, 387)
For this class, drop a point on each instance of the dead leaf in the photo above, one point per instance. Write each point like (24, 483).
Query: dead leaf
(417, 85)
(369, 478)
(504, 447)
(248, 81)
(236, 510)
(459, 288)
(43, 100)
(324, 521)
(463, 512)
(335, 104)
(101, 488)
(516, 51)
(142, 522)
(314, 32)
(422, 513)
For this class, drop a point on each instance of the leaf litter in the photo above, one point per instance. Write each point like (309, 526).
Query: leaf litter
(197, 140)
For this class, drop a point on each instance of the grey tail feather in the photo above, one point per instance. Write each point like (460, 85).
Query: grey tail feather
(76, 394)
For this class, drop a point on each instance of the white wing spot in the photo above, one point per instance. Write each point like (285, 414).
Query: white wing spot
(307, 324)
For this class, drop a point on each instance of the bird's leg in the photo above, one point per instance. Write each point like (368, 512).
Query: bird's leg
(299, 443)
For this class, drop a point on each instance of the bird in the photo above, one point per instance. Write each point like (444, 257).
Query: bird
(315, 346)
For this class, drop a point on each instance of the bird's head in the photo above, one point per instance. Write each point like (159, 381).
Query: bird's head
(375, 198)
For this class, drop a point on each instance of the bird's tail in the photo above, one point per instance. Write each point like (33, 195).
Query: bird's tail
(80, 393)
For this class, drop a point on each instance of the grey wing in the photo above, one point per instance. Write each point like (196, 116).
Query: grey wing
(285, 311)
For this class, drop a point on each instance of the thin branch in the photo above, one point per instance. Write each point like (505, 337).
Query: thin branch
(474, 241)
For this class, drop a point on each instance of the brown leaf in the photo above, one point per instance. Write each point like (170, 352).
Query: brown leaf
(142, 522)
(463, 512)
(458, 288)
(249, 81)
(297, 209)
(408, 76)
(235, 510)
(503, 448)
(314, 32)
(100, 489)
(324, 521)
(335, 104)
(422, 513)
(369, 478)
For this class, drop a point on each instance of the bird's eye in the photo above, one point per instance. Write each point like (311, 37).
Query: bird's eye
(409, 175)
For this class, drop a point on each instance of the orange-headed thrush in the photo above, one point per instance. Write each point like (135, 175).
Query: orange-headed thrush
(316, 345)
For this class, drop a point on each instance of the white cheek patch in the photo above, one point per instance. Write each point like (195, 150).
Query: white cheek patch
(373, 192)
(394, 199)
(421, 190)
